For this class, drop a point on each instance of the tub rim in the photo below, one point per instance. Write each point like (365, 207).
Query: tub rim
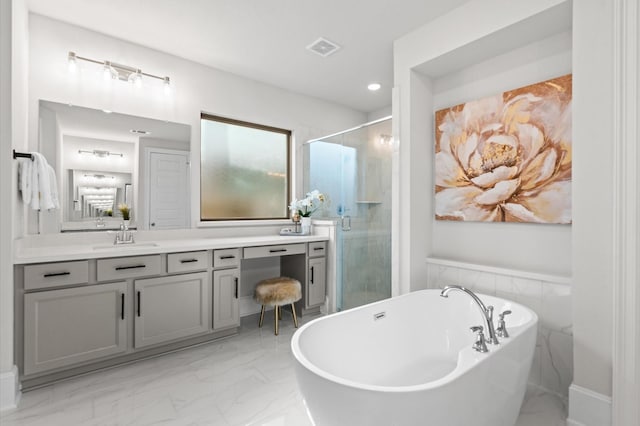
(469, 357)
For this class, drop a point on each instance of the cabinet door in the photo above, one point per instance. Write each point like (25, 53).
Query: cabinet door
(226, 312)
(170, 308)
(69, 326)
(316, 281)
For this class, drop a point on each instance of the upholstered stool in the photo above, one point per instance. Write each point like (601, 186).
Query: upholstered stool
(277, 292)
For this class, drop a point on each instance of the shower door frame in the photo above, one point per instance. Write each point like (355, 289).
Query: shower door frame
(339, 222)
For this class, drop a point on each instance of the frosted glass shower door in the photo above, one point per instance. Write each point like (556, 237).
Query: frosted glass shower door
(354, 172)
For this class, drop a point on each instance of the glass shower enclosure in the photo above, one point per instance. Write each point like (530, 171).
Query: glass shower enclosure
(353, 170)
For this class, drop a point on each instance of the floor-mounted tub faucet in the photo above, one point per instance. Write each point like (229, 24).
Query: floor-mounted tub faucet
(487, 311)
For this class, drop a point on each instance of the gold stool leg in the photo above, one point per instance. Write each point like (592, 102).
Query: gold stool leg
(275, 317)
(280, 312)
(295, 318)
(261, 316)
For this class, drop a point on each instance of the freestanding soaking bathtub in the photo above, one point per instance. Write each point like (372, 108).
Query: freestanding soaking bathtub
(409, 361)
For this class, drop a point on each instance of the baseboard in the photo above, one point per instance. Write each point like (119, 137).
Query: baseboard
(9, 389)
(588, 408)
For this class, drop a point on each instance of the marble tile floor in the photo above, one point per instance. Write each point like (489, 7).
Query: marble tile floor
(245, 379)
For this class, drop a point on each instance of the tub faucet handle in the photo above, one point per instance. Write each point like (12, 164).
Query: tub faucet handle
(501, 331)
(480, 344)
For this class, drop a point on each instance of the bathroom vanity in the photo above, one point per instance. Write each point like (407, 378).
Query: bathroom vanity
(83, 307)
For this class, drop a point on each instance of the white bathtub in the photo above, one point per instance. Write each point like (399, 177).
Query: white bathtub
(409, 361)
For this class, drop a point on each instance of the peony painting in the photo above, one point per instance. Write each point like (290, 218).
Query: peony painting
(506, 158)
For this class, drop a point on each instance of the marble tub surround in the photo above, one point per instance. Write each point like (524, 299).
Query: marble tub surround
(548, 295)
(247, 379)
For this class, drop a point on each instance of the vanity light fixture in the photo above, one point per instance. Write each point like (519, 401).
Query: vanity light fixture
(374, 86)
(113, 71)
(97, 176)
(139, 132)
(100, 153)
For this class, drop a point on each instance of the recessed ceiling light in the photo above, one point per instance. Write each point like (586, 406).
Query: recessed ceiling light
(107, 111)
(374, 86)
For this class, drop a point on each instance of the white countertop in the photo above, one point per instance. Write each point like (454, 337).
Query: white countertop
(66, 250)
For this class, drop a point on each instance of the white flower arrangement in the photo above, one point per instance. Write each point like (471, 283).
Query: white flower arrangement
(308, 205)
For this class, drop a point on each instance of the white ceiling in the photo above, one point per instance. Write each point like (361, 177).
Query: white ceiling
(265, 40)
(90, 123)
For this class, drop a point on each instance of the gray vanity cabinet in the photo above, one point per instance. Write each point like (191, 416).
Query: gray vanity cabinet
(226, 307)
(69, 326)
(316, 281)
(170, 308)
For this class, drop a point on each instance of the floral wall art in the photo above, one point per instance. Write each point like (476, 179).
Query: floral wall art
(506, 158)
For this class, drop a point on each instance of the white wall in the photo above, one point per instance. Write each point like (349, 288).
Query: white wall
(381, 113)
(592, 193)
(528, 247)
(13, 110)
(195, 89)
(421, 59)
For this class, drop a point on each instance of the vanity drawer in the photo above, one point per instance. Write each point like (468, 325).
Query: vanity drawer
(47, 275)
(280, 250)
(317, 249)
(226, 257)
(187, 262)
(128, 267)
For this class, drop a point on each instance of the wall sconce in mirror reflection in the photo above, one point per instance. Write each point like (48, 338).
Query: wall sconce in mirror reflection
(114, 71)
(386, 140)
(100, 153)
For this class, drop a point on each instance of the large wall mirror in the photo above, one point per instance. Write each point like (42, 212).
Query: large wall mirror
(108, 162)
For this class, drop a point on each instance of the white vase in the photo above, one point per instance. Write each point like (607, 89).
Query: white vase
(305, 223)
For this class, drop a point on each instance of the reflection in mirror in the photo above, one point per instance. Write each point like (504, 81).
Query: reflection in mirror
(104, 160)
(96, 195)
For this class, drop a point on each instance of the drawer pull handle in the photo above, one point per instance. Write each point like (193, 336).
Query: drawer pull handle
(56, 274)
(139, 297)
(312, 275)
(277, 250)
(318, 248)
(236, 281)
(122, 306)
(188, 260)
(228, 256)
(122, 268)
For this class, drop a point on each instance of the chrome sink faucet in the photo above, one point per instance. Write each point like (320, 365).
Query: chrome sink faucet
(124, 236)
(487, 311)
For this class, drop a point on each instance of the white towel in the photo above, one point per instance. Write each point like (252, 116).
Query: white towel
(42, 183)
(53, 187)
(24, 179)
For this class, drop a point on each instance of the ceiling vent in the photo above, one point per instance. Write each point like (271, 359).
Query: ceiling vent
(323, 47)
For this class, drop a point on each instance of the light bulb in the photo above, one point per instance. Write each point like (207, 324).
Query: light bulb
(167, 86)
(72, 62)
(374, 86)
(136, 78)
(107, 74)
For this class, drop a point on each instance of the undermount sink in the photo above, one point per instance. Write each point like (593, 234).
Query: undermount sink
(130, 245)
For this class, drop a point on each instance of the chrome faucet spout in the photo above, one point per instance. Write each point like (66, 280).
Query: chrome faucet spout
(487, 311)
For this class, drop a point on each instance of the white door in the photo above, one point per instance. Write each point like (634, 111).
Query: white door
(168, 199)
